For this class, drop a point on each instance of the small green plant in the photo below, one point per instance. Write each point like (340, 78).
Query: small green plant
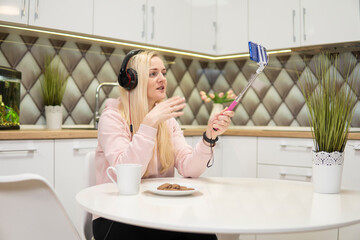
(330, 102)
(53, 84)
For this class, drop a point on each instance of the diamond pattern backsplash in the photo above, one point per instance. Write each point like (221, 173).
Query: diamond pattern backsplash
(274, 99)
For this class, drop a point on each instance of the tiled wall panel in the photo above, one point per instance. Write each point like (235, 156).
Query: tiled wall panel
(274, 99)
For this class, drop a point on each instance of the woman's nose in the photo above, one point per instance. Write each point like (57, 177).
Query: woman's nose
(162, 77)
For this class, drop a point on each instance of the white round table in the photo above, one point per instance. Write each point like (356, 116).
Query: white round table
(227, 206)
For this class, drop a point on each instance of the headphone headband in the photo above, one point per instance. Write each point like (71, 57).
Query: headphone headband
(128, 77)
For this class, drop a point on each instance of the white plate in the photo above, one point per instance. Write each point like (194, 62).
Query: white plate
(152, 187)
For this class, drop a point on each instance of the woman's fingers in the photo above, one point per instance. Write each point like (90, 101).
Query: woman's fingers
(222, 121)
(178, 107)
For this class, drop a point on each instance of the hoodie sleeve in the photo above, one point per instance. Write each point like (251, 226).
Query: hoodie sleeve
(114, 138)
(190, 162)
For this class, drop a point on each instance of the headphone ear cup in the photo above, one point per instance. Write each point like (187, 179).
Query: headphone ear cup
(132, 79)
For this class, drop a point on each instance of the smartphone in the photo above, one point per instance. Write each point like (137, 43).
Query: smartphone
(257, 53)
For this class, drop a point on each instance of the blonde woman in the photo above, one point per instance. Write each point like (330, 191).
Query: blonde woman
(140, 127)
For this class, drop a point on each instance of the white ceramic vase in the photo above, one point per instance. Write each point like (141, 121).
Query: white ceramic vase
(327, 171)
(53, 115)
(217, 107)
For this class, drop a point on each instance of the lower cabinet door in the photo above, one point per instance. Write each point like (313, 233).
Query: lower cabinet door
(28, 156)
(69, 163)
(351, 232)
(316, 235)
(284, 172)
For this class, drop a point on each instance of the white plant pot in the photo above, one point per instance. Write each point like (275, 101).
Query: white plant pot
(217, 107)
(53, 115)
(327, 171)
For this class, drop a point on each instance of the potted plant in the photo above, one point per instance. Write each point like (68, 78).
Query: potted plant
(330, 101)
(218, 99)
(53, 87)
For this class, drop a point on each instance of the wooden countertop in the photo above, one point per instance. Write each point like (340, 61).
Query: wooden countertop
(289, 132)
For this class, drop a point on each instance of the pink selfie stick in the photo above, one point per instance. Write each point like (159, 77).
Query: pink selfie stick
(251, 81)
(262, 61)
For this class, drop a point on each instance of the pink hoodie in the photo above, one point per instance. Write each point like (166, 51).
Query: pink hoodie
(114, 147)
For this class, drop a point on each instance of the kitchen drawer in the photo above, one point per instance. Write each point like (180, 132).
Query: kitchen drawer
(285, 151)
(28, 156)
(284, 172)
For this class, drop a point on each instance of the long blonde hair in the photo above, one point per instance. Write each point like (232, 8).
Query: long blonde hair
(139, 108)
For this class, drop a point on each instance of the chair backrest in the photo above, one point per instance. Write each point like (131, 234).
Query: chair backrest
(30, 209)
(88, 179)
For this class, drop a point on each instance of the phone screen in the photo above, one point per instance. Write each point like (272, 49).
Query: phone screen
(257, 53)
(253, 51)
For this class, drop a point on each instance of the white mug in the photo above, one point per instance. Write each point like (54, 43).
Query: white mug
(128, 177)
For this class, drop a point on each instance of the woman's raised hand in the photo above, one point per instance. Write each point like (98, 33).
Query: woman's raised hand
(165, 110)
(220, 122)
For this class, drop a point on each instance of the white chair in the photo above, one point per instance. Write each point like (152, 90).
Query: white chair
(30, 209)
(87, 179)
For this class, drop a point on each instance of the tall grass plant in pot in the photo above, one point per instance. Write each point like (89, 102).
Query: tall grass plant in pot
(330, 101)
(53, 87)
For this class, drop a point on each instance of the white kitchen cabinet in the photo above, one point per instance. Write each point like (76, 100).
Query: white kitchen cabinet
(351, 180)
(169, 23)
(28, 156)
(351, 232)
(329, 21)
(68, 15)
(232, 26)
(14, 11)
(295, 152)
(219, 26)
(294, 23)
(285, 158)
(164, 23)
(275, 24)
(239, 156)
(350, 175)
(121, 19)
(284, 172)
(204, 26)
(69, 163)
(315, 235)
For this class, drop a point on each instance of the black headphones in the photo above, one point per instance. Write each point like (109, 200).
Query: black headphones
(128, 78)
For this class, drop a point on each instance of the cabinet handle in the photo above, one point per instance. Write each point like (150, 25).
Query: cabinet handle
(283, 173)
(293, 22)
(23, 10)
(215, 34)
(84, 148)
(37, 10)
(18, 150)
(355, 147)
(144, 21)
(304, 12)
(284, 145)
(153, 22)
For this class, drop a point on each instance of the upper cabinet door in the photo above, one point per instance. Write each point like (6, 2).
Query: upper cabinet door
(68, 15)
(169, 23)
(120, 19)
(274, 24)
(204, 26)
(329, 21)
(232, 26)
(14, 11)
